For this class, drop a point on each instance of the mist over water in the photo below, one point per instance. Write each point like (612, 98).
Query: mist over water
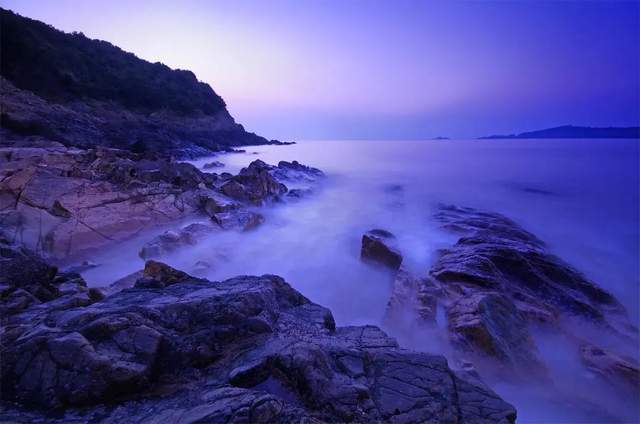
(581, 197)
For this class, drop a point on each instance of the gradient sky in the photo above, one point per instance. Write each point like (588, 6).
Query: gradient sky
(385, 69)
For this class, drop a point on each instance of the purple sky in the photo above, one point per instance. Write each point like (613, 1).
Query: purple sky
(385, 69)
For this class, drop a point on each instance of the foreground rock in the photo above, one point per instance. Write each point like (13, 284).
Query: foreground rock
(377, 247)
(26, 280)
(250, 349)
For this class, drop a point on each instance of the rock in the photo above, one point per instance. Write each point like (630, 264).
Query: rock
(171, 240)
(61, 201)
(254, 184)
(498, 281)
(294, 171)
(489, 324)
(214, 164)
(376, 248)
(58, 210)
(495, 254)
(238, 219)
(298, 193)
(81, 267)
(411, 299)
(163, 273)
(27, 280)
(248, 349)
(125, 282)
(213, 204)
(23, 268)
(622, 372)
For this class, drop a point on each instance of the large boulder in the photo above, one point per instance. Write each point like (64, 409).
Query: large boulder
(377, 247)
(499, 281)
(254, 184)
(495, 254)
(248, 349)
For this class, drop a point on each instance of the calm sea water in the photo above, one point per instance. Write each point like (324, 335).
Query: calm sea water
(580, 196)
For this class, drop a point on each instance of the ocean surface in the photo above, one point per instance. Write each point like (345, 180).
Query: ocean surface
(581, 197)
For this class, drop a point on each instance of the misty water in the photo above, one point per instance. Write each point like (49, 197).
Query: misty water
(581, 197)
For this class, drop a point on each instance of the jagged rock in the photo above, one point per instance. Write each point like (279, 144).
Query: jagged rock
(27, 280)
(622, 372)
(125, 282)
(490, 324)
(212, 204)
(248, 349)
(61, 201)
(495, 254)
(163, 273)
(376, 248)
(238, 219)
(412, 299)
(498, 280)
(81, 267)
(294, 171)
(171, 240)
(254, 184)
(214, 164)
(298, 193)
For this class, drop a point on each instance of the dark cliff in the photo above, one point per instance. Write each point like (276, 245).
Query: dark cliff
(83, 92)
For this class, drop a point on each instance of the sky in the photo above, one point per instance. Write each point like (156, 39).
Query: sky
(311, 69)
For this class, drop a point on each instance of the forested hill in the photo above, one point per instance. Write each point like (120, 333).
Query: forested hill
(114, 97)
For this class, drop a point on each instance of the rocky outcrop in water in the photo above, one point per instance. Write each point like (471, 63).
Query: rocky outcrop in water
(412, 299)
(175, 348)
(498, 283)
(378, 247)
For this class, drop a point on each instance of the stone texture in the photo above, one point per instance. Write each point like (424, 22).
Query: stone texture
(377, 247)
(412, 299)
(248, 349)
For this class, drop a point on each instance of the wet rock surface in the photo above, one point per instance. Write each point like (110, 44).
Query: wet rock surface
(60, 201)
(175, 348)
(411, 299)
(498, 284)
(378, 247)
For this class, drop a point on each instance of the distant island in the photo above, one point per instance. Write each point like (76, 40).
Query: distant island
(440, 138)
(571, 131)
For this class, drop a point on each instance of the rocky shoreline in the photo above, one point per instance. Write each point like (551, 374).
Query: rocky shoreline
(175, 348)
(59, 201)
(497, 286)
(163, 345)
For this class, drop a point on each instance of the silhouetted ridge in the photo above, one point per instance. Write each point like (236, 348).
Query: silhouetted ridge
(571, 131)
(82, 92)
(62, 67)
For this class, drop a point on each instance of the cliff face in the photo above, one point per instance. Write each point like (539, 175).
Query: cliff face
(83, 92)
